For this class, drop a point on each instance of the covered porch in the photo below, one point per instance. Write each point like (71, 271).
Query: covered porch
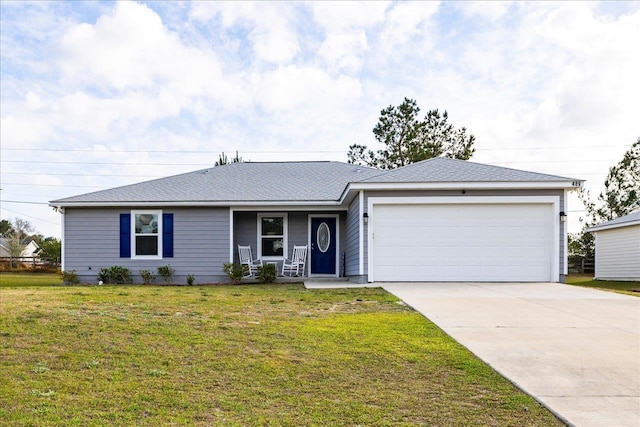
(272, 235)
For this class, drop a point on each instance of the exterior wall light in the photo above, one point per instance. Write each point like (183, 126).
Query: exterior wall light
(365, 218)
(563, 217)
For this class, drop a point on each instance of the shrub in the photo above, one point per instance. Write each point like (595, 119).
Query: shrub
(234, 271)
(147, 277)
(167, 273)
(190, 279)
(70, 277)
(115, 275)
(267, 273)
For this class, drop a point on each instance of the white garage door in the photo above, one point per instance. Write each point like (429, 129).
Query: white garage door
(462, 242)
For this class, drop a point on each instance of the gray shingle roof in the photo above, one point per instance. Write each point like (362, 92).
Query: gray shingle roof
(296, 182)
(624, 221)
(443, 169)
(240, 182)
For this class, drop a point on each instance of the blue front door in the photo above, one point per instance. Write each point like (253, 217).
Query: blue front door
(324, 245)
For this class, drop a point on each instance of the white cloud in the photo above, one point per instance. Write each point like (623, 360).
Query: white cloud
(292, 87)
(489, 10)
(131, 48)
(272, 26)
(345, 51)
(338, 16)
(403, 22)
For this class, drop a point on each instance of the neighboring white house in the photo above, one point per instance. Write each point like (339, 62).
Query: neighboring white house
(30, 250)
(618, 248)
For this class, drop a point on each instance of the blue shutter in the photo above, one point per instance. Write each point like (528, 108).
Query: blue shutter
(167, 235)
(125, 235)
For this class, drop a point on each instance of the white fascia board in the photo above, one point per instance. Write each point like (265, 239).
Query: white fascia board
(302, 205)
(560, 185)
(289, 208)
(597, 228)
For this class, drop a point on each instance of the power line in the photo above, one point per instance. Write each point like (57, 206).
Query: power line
(84, 150)
(21, 201)
(81, 174)
(278, 151)
(105, 163)
(210, 164)
(52, 185)
(29, 216)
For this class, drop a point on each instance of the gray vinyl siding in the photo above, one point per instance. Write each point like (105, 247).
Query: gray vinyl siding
(352, 239)
(245, 230)
(201, 243)
(458, 193)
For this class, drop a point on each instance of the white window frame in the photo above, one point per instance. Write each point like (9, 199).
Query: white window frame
(285, 226)
(133, 234)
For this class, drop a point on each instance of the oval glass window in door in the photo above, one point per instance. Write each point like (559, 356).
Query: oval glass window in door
(324, 237)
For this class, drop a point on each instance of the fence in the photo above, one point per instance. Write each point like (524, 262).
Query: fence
(579, 264)
(33, 262)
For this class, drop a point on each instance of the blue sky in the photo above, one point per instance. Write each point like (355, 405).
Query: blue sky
(100, 94)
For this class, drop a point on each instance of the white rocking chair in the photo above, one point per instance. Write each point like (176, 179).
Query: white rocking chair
(295, 265)
(248, 264)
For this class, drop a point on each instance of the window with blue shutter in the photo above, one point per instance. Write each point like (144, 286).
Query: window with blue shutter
(152, 235)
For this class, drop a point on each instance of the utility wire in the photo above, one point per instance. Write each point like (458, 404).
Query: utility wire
(29, 216)
(51, 185)
(21, 201)
(104, 150)
(211, 164)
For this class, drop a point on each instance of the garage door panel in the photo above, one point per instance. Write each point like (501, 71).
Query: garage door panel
(500, 242)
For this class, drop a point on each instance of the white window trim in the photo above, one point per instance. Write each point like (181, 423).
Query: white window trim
(285, 226)
(133, 234)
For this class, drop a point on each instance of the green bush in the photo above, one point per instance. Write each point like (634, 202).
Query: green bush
(267, 273)
(167, 273)
(70, 277)
(147, 277)
(190, 279)
(234, 271)
(115, 275)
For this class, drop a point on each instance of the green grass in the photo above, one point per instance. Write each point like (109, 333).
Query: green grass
(239, 355)
(628, 288)
(12, 280)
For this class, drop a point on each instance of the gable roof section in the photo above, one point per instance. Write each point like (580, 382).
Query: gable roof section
(236, 183)
(624, 221)
(444, 169)
(309, 183)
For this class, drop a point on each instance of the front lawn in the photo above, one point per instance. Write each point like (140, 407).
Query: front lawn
(628, 288)
(239, 355)
(11, 280)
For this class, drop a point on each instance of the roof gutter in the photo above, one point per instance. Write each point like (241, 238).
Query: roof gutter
(222, 204)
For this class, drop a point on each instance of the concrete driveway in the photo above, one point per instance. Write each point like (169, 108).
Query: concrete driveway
(574, 349)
